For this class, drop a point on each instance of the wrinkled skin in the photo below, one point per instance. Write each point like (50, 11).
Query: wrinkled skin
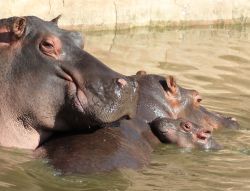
(183, 133)
(48, 83)
(128, 143)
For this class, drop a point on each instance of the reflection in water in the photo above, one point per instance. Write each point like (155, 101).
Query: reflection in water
(175, 67)
(213, 61)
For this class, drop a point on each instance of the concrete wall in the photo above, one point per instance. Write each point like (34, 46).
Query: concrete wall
(122, 14)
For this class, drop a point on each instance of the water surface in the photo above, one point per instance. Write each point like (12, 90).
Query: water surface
(213, 61)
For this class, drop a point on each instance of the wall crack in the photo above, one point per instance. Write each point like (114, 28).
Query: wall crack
(115, 27)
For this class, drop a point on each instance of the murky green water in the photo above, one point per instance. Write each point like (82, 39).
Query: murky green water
(216, 62)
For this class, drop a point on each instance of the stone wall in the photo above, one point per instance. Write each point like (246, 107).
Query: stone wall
(122, 14)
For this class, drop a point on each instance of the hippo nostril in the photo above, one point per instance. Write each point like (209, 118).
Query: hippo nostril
(203, 135)
(208, 133)
(123, 82)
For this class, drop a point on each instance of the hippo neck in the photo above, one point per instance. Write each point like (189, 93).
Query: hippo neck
(15, 131)
(14, 135)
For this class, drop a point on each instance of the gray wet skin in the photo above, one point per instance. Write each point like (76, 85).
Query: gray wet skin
(183, 133)
(49, 83)
(165, 98)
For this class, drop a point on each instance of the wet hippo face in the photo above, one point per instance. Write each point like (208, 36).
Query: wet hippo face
(186, 104)
(49, 83)
(183, 133)
(162, 97)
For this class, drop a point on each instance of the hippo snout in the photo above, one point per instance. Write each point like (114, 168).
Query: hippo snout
(114, 98)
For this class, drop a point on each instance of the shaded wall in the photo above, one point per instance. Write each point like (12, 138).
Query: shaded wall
(122, 14)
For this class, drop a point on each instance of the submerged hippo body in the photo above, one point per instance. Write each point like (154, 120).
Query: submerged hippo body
(183, 133)
(48, 83)
(111, 146)
(129, 143)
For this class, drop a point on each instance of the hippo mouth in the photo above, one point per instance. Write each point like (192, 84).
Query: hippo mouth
(78, 104)
(80, 100)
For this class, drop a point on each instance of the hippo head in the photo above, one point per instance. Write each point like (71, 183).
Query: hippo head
(183, 133)
(162, 97)
(49, 83)
(185, 103)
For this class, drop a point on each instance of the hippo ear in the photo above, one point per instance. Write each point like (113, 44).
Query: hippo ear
(171, 84)
(19, 26)
(55, 20)
(141, 72)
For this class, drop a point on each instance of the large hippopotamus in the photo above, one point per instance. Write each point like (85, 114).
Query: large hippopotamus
(49, 83)
(129, 143)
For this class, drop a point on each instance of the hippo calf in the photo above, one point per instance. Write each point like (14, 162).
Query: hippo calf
(183, 133)
(49, 83)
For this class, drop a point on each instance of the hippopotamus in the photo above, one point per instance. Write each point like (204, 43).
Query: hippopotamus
(50, 84)
(129, 143)
(162, 97)
(183, 133)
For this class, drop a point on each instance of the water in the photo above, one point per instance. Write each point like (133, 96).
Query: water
(213, 61)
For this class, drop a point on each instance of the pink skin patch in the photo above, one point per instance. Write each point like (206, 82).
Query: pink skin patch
(123, 82)
(169, 132)
(233, 119)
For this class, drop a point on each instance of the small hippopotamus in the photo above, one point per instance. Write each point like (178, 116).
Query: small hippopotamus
(183, 133)
(50, 84)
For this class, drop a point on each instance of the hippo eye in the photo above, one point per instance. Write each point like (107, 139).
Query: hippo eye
(47, 44)
(197, 100)
(186, 126)
(51, 46)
